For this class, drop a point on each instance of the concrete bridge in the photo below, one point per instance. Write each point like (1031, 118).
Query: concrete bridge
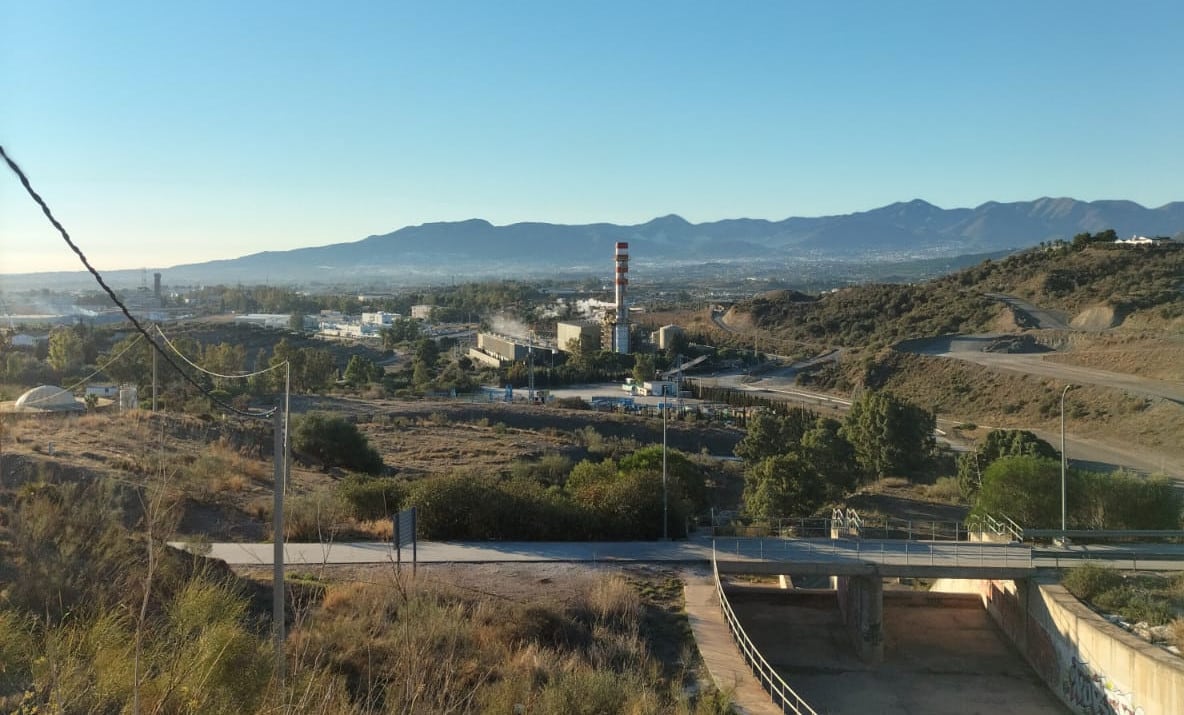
(1008, 599)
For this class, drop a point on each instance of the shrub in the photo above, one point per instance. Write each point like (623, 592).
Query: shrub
(335, 442)
(369, 498)
(573, 403)
(945, 489)
(312, 517)
(1088, 581)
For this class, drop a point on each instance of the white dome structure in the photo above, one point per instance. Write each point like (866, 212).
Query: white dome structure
(48, 397)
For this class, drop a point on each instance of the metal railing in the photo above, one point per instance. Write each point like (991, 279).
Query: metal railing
(846, 519)
(1000, 527)
(779, 691)
(882, 552)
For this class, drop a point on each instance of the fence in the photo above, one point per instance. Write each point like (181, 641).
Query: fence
(885, 553)
(780, 692)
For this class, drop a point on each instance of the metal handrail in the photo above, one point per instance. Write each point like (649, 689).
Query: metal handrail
(778, 690)
(1003, 527)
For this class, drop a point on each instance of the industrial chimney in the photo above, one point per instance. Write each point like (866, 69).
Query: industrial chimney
(621, 323)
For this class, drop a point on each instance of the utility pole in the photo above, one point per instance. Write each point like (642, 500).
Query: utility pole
(277, 527)
(1064, 459)
(665, 535)
(152, 347)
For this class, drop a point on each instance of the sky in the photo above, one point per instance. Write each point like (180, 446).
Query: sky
(164, 133)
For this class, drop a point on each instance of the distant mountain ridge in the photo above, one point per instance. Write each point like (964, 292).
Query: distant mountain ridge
(913, 229)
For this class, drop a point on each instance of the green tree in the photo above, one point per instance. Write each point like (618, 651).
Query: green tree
(427, 351)
(643, 367)
(690, 477)
(335, 442)
(998, 444)
(783, 485)
(318, 369)
(361, 371)
(65, 350)
(296, 322)
(891, 436)
(677, 344)
(771, 434)
(832, 455)
(1026, 489)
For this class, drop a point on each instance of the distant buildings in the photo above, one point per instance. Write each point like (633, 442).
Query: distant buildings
(1137, 240)
(276, 321)
(422, 311)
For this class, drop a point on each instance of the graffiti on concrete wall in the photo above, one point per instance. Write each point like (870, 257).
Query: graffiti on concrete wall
(1092, 693)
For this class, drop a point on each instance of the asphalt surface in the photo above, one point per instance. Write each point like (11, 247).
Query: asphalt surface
(886, 553)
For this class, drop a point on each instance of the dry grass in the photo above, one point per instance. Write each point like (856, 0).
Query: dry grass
(1001, 399)
(945, 489)
(1153, 357)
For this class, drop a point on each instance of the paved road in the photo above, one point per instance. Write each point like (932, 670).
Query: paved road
(1043, 317)
(833, 552)
(1035, 364)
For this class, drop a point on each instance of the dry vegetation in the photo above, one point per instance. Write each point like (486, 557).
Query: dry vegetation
(222, 470)
(1136, 353)
(95, 612)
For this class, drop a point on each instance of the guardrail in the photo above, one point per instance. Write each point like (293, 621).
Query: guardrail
(889, 552)
(778, 690)
(1107, 534)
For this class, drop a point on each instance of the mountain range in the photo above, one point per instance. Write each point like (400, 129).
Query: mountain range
(903, 230)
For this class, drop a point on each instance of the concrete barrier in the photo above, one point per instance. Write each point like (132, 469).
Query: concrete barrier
(861, 602)
(1092, 665)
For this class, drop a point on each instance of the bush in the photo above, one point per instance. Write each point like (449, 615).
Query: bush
(335, 442)
(312, 517)
(945, 489)
(573, 403)
(1086, 582)
(368, 498)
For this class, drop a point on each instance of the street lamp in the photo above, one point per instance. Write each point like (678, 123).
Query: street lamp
(1064, 460)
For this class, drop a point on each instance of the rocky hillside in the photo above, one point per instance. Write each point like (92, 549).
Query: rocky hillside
(1095, 285)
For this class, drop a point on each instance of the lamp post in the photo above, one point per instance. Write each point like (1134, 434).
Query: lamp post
(665, 535)
(1064, 460)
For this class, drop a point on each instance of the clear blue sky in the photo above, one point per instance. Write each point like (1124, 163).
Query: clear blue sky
(170, 132)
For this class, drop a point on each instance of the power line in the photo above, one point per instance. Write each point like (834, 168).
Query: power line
(102, 367)
(211, 373)
(114, 298)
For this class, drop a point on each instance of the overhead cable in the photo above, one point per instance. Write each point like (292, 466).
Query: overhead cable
(114, 298)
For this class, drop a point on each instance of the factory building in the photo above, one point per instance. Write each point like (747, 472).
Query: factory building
(498, 349)
(582, 331)
(665, 335)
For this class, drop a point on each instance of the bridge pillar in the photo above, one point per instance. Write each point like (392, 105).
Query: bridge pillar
(861, 602)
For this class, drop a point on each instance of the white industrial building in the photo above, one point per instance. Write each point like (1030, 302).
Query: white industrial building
(380, 318)
(276, 321)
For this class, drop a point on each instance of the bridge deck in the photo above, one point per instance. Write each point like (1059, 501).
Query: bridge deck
(889, 558)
